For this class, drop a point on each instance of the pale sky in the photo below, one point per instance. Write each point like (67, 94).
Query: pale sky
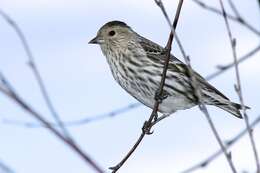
(81, 85)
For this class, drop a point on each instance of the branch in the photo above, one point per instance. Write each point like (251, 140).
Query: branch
(159, 95)
(229, 16)
(239, 89)
(229, 143)
(223, 68)
(220, 70)
(36, 72)
(5, 169)
(197, 94)
(80, 122)
(234, 8)
(11, 94)
(222, 146)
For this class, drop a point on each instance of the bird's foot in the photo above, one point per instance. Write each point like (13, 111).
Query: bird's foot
(159, 119)
(155, 117)
(159, 97)
(147, 128)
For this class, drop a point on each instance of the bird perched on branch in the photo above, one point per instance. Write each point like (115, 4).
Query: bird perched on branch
(137, 63)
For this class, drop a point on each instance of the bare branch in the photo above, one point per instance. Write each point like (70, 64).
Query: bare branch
(197, 93)
(213, 156)
(36, 72)
(5, 169)
(238, 87)
(80, 122)
(159, 95)
(220, 70)
(229, 16)
(222, 146)
(25, 106)
(203, 108)
(234, 8)
(223, 68)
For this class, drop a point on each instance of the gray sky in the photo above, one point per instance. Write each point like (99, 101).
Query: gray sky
(80, 84)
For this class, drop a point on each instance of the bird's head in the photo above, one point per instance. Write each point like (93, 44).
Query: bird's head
(113, 34)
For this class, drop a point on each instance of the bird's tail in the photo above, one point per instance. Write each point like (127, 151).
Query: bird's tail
(233, 108)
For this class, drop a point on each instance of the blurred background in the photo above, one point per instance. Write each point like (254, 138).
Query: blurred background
(81, 86)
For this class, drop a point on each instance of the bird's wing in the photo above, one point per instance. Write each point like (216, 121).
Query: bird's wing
(149, 46)
(156, 52)
(203, 82)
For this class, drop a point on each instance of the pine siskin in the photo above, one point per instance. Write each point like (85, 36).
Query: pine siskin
(136, 64)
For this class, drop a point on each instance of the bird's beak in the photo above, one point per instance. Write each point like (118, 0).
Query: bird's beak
(96, 40)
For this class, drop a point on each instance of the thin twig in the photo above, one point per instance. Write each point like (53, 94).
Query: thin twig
(197, 93)
(159, 95)
(223, 68)
(235, 10)
(238, 87)
(222, 146)
(203, 108)
(229, 16)
(36, 72)
(19, 101)
(220, 70)
(4, 168)
(229, 143)
(80, 122)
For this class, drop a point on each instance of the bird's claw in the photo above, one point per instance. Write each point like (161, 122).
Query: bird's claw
(155, 118)
(114, 168)
(147, 128)
(160, 97)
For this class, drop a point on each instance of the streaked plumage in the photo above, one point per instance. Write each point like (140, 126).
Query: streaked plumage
(137, 63)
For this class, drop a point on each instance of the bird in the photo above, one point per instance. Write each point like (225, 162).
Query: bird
(137, 63)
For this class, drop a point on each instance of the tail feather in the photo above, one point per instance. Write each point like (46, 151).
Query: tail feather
(233, 108)
(239, 106)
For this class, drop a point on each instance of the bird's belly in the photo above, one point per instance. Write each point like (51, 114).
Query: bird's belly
(169, 105)
(174, 103)
(146, 96)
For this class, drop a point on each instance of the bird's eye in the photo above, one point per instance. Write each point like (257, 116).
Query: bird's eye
(111, 33)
